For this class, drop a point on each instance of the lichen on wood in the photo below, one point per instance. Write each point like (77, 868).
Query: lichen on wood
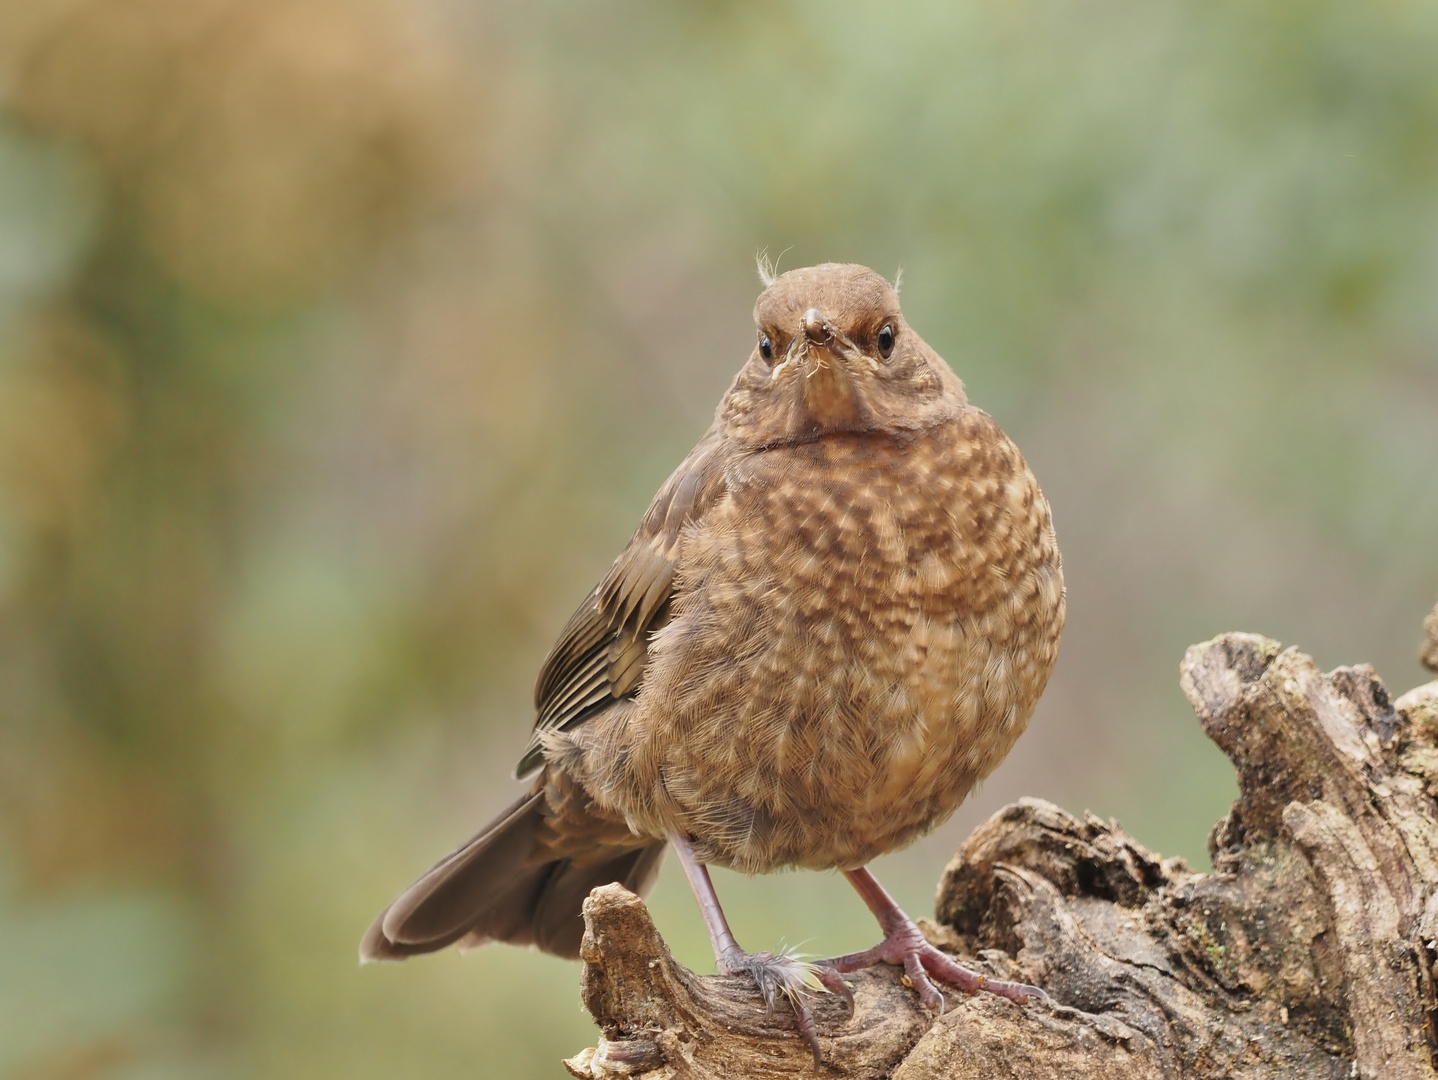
(1308, 951)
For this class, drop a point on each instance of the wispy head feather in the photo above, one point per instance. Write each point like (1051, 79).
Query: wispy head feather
(766, 268)
(898, 280)
(769, 268)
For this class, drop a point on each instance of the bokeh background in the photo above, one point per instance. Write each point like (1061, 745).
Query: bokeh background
(343, 342)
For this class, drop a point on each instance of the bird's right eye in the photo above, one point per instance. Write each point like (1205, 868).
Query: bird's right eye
(766, 348)
(886, 341)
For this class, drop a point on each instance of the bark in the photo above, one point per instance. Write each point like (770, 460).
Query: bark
(1307, 952)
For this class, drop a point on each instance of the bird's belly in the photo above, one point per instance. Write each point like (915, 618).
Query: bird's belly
(833, 693)
(827, 741)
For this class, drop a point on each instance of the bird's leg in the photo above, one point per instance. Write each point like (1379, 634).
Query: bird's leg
(774, 973)
(904, 944)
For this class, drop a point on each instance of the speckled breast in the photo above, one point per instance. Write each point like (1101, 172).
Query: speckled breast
(861, 631)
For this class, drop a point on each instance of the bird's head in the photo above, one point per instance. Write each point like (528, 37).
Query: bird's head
(833, 354)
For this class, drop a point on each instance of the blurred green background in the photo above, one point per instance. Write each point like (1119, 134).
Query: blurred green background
(342, 343)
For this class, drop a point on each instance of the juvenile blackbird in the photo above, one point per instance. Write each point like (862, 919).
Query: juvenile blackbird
(835, 618)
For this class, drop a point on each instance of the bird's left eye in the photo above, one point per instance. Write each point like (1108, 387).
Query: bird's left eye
(766, 347)
(886, 341)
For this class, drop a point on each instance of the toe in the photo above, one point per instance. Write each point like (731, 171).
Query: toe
(918, 978)
(859, 960)
(943, 967)
(835, 984)
(1019, 993)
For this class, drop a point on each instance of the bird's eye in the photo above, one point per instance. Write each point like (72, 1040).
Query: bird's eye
(766, 348)
(886, 341)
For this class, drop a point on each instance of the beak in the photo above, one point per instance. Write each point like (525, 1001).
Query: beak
(819, 331)
(817, 328)
(827, 390)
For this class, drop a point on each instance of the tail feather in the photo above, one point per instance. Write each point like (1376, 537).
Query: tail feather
(557, 920)
(500, 886)
(462, 884)
(376, 948)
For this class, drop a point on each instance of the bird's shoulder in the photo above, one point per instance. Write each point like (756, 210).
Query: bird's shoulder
(600, 655)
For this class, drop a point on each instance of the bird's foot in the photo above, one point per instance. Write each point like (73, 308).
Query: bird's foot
(905, 945)
(784, 974)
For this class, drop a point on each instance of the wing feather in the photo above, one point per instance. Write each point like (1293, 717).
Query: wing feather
(600, 655)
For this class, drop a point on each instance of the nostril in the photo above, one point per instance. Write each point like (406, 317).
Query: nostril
(816, 327)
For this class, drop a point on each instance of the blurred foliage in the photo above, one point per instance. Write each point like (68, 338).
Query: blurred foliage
(343, 341)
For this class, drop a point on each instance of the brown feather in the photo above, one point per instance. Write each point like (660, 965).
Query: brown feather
(520, 880)
(600, 654)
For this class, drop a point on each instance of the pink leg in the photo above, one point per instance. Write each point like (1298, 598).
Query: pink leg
(904, 944)
(773, 973)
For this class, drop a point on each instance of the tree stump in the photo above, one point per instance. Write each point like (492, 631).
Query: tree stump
(1307, 952)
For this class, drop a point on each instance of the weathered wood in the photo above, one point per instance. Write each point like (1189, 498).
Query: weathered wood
(1307, 952)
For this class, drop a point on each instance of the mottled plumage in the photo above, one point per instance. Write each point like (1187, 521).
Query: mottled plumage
(835, 618)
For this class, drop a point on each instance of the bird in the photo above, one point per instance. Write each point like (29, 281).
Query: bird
(834, 619)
